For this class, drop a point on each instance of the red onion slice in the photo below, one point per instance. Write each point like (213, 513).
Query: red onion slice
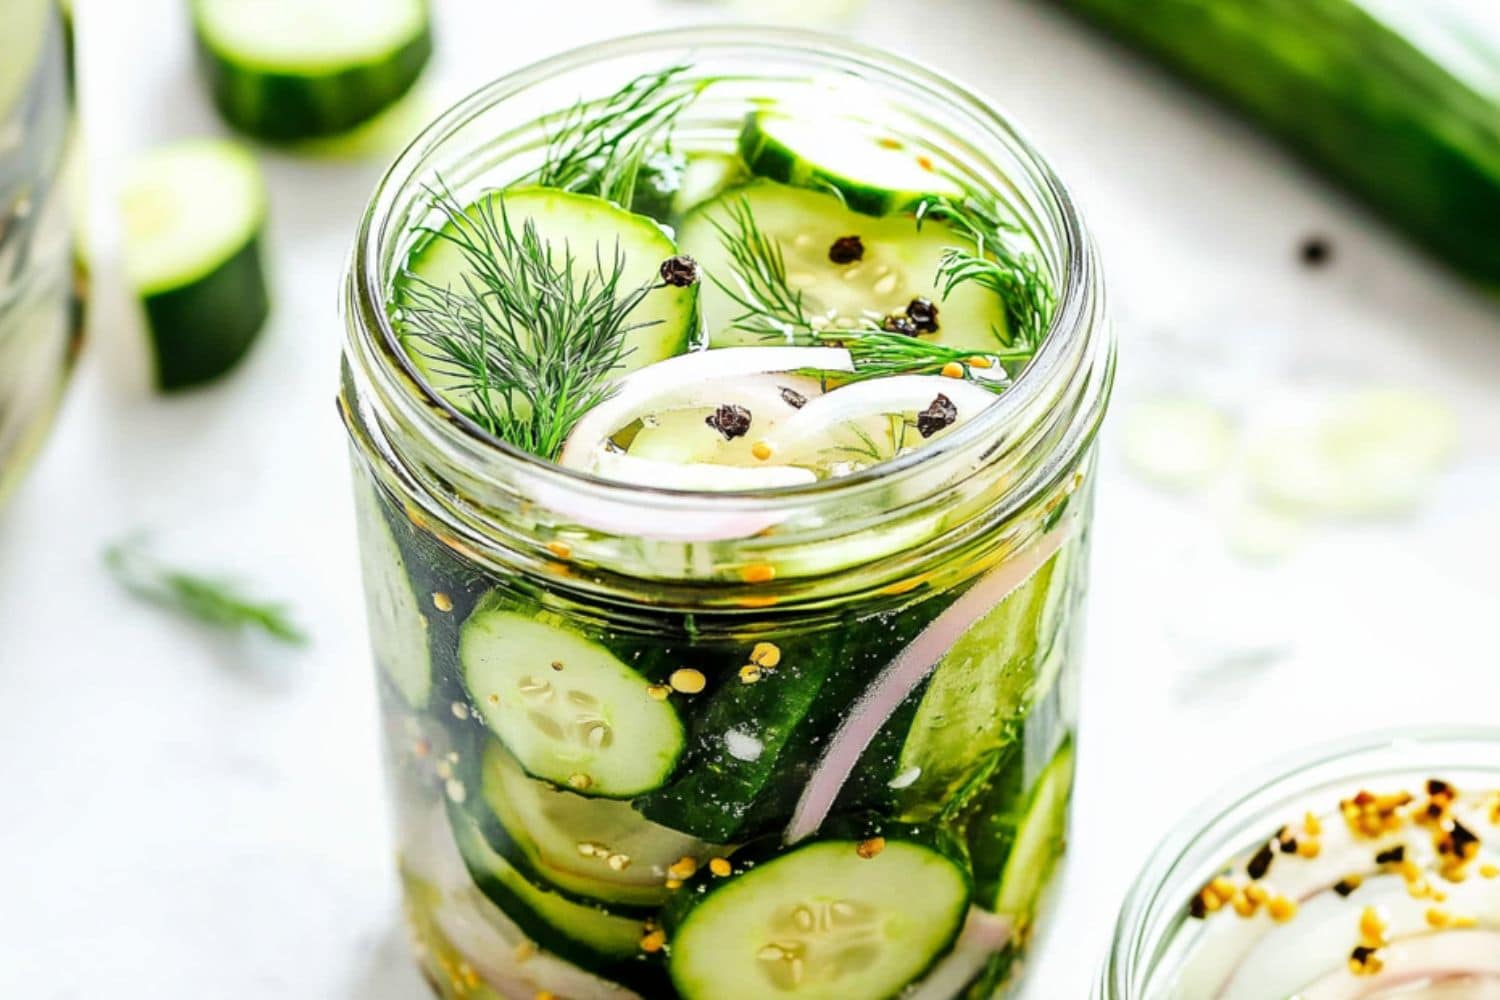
(896, 394)
(900, 678)
(1435, 957)
(707, 477)
(701, 378)
(984, 934)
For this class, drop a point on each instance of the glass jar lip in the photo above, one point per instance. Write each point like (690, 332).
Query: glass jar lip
(1067, 332)
(1289, 772)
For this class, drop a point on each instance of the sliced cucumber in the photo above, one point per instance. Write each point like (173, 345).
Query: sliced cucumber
(300, 69)
(1039, 841)
(687, 435)
(577, 932)
(899, 264)
(591, 229)
(595, 850)
(565, 706)
(398, 629)
(978, 691)
(874, 173)
(831, 919)
(671, 184)
(193, 215)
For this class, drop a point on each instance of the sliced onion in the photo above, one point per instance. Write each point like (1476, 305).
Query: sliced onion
(707, 477)
(983, 936)
(897, 394)
(1439, 957)
(629, 519)
(688, 380)
(900, 678)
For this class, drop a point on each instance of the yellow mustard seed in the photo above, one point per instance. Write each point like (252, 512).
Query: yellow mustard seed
(759, 573)
(765, 654)
(1256, 893)
(868, 849)
(749, 673)
(560, 549)
(683, 868)
(1373, 925)
(1308, 848)
(1243, 905)
(688, 681)
(674, 883)
(1438, 918)
(761, 450)
(442, 601)
(720, 867)
(1312, 825)
(580, 781)
(1281, 909)
(659, 691)
(1223, 888)
(953, 370)
(1489, 871)
(979, 361)
(653, 942)
(1465, 921)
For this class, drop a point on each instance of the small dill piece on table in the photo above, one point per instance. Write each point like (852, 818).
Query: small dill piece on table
(991, 261)
(534, 335)
(210, 600)
(599, 146)
(770, 308)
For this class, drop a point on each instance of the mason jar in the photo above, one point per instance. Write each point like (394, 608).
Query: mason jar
(832, 727)
(1348, 872)
(40, 319)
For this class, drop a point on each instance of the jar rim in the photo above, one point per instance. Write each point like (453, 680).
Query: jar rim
(1068, 332)
(1292, 773)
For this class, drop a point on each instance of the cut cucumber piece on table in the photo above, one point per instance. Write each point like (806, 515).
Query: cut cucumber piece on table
(193, 216)
(1039, 840)
(596, 850)
(978, 691)
(398, 629)
(577, 932)
(284, 70)
(874, 173)
(831, 919)
(899, 263)
(565, 706)
(580, 224)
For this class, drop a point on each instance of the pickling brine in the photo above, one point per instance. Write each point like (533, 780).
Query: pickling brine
(723, 450)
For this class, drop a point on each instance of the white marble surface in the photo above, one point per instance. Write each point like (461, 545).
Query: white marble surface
(184, 818)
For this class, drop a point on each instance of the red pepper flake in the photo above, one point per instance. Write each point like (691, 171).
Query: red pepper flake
(729, 420)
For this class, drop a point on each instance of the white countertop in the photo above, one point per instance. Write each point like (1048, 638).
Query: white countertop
(183, 817)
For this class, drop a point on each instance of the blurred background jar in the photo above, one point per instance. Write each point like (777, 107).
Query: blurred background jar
(41, 302)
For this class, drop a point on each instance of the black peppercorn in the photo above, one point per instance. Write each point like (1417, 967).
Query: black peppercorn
(729, 420)
(680, 271)
(942, 413)
(924, 313)
(1316, 251)
(1261, 863)
(847, 250)
(898, 323)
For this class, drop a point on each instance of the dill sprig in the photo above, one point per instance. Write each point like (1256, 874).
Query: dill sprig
(532, 338)
(770, 308)
(990, 260)
(212, 600)
(600, 146)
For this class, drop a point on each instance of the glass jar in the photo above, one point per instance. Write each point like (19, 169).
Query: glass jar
(879, 667)
(40, 321)
(1157, 936)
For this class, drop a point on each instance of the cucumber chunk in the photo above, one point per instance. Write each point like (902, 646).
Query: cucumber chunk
(580, 933)
(595, 850)
(873, 173)
(193, 215)
(984, 684)
(899, 263)
(831, 919)
(565, 706)
(398, 629)
(285, 70)
(1039, 841)
(584, 226)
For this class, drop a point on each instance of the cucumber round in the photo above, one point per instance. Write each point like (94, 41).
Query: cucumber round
(565, 842)
(584, 225)
(831, 919)
(285, 70)
(580, 933)
(899, 264)
(873, 173)
(398, 629)
(193, 215)
(565, 706)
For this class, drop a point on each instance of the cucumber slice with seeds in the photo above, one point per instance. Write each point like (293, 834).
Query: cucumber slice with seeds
(595, 850)
(1039, 840)
(585, 226)
(899, 263)
(193, 215)
(398, 629)
(830, 919)
(872, 172)
(565, 706)
(284, 70)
